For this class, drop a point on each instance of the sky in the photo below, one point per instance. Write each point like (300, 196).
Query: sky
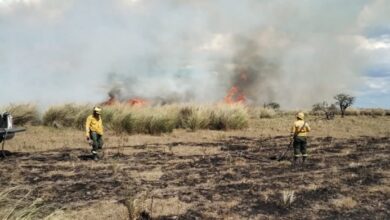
(296, 53)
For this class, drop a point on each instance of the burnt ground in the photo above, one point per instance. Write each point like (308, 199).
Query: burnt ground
(238, 180)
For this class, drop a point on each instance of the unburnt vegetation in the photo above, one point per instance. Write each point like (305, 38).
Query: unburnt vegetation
(206, 174)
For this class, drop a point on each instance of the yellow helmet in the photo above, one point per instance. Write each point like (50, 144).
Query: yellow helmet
(301, 115)
(97, 110)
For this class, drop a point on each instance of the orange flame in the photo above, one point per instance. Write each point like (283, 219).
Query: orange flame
(111, 101)
(234, 96)
(132, 102)
(137, 102)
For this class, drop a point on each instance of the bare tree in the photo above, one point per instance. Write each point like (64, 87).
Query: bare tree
(344, 101)
(328, 110)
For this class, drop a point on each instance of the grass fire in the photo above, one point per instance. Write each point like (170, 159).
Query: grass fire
(157, 110)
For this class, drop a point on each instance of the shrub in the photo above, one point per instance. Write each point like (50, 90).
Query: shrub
(24, 113)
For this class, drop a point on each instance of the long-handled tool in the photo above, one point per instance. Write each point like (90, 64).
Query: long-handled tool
(282, 156)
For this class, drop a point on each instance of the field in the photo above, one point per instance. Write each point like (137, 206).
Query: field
(204, 174)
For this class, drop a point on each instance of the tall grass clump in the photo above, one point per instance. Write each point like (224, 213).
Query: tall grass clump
(373, 112)
(20, 208)
(68, 115)
(194, 118)
(151, 120)
(148, 120)
(260, 112)
(352, 112)
(226, 117)
(24, 113)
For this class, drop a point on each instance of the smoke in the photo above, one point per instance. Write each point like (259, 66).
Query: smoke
(294, 53)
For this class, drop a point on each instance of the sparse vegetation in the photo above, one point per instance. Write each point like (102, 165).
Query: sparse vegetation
(272, 105)
(259, 112)
(324, 108)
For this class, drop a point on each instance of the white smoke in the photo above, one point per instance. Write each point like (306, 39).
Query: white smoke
(298, 52)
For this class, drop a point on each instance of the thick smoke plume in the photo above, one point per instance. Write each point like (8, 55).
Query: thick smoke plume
(291, 52)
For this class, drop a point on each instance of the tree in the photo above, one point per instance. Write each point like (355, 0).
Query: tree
(344, 101)
(329, 110)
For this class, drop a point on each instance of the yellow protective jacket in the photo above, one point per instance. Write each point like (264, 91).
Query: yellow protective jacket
(298, 128)
(94, 124)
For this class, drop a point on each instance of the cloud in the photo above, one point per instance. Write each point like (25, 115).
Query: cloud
(296, 53)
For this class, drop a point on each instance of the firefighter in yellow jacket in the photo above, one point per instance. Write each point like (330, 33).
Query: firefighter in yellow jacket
(299, 135)
(94, 130)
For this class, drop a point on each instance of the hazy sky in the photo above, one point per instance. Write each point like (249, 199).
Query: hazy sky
(294, 52)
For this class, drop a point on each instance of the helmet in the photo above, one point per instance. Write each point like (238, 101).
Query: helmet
(301, 115)
(97, 110)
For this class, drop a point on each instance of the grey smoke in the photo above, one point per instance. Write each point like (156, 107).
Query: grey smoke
(293, 52)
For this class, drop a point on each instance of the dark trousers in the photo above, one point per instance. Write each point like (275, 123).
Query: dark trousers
(300, 145)
(97, 141)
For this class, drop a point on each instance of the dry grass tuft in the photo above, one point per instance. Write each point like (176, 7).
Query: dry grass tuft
(20, 208)
(65, 115)
(259, 112)
(344, 203)
(24, 113)
(288, 197)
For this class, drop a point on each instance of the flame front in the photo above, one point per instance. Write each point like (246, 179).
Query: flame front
(235, 95)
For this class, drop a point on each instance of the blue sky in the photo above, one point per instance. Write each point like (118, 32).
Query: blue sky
(375, 91)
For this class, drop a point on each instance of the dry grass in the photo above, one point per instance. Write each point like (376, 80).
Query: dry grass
(101, 210)
(344, 203)
(18, 208)
(200, 173)
(260, 112)
(152, 120)
(24, 113)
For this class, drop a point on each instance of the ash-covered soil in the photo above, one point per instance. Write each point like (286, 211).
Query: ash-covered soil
(236, 178)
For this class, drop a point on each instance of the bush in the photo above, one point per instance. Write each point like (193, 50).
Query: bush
(24, 113)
